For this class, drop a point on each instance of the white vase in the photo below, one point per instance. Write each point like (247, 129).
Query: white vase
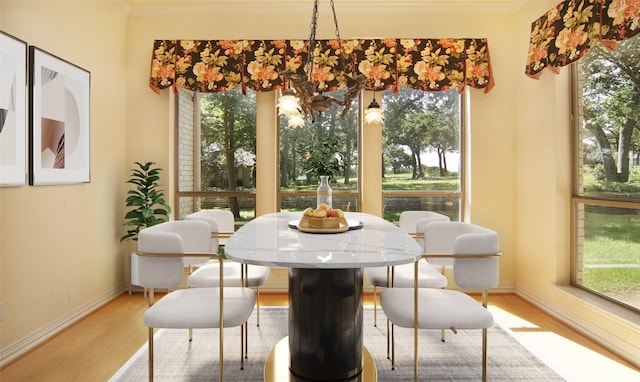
(324, 194)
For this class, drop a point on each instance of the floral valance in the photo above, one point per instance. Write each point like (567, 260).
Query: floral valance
(220, 65)
(567, 32)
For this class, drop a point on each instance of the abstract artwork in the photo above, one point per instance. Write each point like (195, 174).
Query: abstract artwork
(13, 111)
(59, 120)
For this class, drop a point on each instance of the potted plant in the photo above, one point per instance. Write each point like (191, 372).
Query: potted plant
(324, 162)
(149, 207)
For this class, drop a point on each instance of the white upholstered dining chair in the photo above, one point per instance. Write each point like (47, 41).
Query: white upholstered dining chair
(401, 276)
(161, 249)
(475, 253)
(222, 225)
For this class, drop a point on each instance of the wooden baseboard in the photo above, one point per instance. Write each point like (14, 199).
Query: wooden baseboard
(25, 344)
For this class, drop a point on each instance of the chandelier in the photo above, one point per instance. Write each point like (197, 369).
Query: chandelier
(303, 99)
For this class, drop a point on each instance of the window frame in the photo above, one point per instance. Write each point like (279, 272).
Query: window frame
(579, 202)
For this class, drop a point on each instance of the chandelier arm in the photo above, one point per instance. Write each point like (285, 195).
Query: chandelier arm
(335, 22)
(310, 99)
(312, 42)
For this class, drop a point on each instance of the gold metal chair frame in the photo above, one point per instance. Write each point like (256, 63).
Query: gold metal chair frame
(415, 312)
(243, 328)
(390, 284)
(244, 270)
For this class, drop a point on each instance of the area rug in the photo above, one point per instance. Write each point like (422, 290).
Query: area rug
(459, 358)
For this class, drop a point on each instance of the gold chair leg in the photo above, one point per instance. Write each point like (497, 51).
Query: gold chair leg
(415, 354)
(484, 355)
(257, 306)
(242, 348)
(388, 340)
(246, 339)
(375, 306)
(150, 354)
(220, 353)
(393, 350)
(485, 296)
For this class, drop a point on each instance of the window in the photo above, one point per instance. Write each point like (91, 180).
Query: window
(331, 141)
(422, 154)
(422, 161)
(606, 194)
(216, 152)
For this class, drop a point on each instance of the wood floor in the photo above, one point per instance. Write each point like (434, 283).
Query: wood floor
(97, 346)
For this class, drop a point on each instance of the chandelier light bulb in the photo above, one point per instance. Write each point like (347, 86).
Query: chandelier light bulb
(296, 120)
(374, 113)
(289, 103)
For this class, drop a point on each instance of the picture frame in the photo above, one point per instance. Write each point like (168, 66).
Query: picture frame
(59, 120)
(13, 111)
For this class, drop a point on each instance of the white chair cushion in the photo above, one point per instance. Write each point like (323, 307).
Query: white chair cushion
(437, 309)
(433, 218)
(462, 238)
(196, 237)
(220, 221)
(199, 308)
(208, 275)
(408, 221)
(428, 277)
(175, 237)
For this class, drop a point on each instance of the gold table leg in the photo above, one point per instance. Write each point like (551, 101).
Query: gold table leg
(276, 369)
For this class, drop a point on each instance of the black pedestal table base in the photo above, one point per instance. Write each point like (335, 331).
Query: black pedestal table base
(325, 324)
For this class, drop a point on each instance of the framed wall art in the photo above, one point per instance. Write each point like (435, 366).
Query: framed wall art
(13, 111)
(59, 116)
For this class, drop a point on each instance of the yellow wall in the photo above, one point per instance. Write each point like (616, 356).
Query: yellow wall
(60, 256)
(60, 250)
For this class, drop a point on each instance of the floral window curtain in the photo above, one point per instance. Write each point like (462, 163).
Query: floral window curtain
(567, 32)
(220, 65)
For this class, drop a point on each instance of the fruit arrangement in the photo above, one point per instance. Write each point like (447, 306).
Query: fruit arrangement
(323, 211)
(323, 218)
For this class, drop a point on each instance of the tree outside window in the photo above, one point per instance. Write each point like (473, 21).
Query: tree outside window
(422, 152)
(217, 152)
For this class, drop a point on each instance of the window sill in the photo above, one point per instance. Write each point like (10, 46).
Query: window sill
(601, 303)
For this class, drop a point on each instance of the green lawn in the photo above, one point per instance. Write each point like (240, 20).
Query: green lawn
(612, 252)
(405, 183)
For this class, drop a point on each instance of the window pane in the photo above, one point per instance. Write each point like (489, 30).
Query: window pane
(329, 145)
(421, 151)
(609, 137)
(228, 141)
(607, 173)
(246, 205)
(299, 203)
(445, 205)
(216, 142)
(609, 262)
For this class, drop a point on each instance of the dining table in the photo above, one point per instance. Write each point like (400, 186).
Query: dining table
(325, 271)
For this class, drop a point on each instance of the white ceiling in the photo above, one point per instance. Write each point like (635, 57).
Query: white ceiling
(305, 6)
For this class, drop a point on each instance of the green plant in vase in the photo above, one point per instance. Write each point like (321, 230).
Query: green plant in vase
(147, 200)
(324, 160)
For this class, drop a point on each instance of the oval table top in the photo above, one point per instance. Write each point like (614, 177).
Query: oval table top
(270, 240)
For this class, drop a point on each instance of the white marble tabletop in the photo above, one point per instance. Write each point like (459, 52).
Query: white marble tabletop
(268, 240)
